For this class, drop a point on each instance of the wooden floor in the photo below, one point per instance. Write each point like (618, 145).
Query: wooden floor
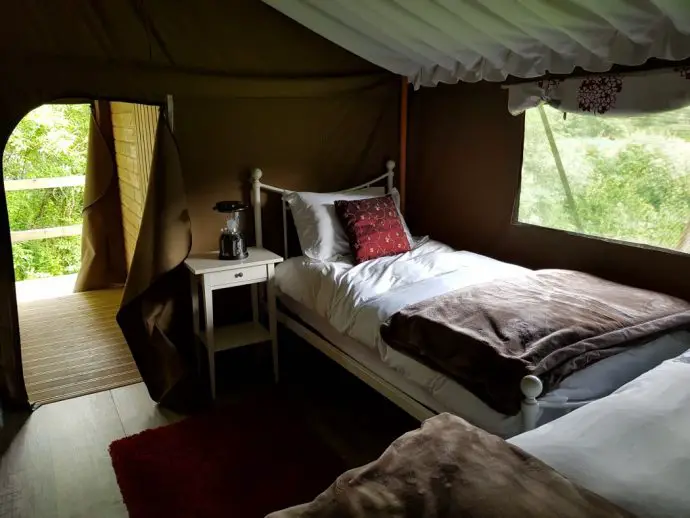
(58, 465)
(55, 463)
(72, 346)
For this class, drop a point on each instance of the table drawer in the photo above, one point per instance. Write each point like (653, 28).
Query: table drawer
(238, 276)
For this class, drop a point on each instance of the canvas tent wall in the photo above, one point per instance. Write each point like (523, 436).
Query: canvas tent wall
(251, 88)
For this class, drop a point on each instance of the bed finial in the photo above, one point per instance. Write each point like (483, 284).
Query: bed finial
(390, 171)
(531, 387)
(256, 175)
(390, 166)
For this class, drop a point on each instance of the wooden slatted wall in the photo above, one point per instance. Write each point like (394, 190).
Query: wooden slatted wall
(134, 131)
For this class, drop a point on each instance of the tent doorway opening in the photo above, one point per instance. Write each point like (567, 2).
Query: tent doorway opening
(44, 168)
(71, 344)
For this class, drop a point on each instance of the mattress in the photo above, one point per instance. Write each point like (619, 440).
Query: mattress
(347, 303)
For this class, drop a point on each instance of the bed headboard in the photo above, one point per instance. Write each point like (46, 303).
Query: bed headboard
(258, 186)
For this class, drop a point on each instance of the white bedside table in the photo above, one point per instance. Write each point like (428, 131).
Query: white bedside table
(211, 274)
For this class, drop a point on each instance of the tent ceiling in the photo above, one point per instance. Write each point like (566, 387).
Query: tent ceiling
(432, 41)
(238, 38)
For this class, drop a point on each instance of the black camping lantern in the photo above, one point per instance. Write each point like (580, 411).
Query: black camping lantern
(232, 244)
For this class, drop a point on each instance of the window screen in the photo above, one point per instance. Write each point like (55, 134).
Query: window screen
(622, 178)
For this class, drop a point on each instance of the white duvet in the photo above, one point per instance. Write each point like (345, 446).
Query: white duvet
(632, 447)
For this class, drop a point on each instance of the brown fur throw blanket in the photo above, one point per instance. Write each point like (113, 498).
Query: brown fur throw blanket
(451, 469)
(550, 323)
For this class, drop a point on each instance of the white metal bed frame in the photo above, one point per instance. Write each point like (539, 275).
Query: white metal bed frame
(530, 386)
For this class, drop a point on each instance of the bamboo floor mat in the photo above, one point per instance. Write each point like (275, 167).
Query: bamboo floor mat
(72, 346)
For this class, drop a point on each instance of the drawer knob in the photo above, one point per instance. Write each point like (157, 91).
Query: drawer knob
(238, 275)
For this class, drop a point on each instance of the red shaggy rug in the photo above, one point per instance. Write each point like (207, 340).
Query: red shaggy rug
(238, 462)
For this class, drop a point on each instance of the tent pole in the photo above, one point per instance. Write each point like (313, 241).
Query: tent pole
(402, 169)
(570, 200)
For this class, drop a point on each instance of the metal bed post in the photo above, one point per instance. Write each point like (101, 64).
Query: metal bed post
(256, 203)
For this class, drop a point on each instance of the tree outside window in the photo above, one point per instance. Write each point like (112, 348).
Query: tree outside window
(629, 176)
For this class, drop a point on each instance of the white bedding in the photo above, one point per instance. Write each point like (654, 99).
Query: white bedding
(356, 299)
(632, 447)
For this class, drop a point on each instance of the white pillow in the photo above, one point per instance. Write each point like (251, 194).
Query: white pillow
(321, 236)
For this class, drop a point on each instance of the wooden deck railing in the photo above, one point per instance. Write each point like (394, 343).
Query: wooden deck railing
(44, 183)
(44, 233)
(19, 236)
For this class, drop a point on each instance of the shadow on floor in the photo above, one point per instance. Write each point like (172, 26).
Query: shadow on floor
(348, 415)
(11, 424)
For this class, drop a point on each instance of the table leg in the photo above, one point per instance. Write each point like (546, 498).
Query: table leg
(195, 315)
(210, 346)
(255, 302)
(272, 324)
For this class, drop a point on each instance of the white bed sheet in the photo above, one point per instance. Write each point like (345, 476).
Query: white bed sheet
(355, 299)
(632, 447)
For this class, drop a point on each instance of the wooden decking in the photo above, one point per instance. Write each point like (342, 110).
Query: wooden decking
(72, 346)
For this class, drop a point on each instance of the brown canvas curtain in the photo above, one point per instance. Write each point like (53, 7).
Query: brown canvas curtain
(12, 388)
(154, 314)
(103, 262)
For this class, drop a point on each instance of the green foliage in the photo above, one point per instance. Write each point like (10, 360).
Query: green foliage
(45, 208)
(51, 141)
(629, 176)
(47, 257)
(633, 196)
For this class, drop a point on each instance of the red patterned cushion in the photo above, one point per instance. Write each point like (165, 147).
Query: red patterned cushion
(373, 227)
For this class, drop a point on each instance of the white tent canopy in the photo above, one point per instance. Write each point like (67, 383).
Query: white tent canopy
(432, 41)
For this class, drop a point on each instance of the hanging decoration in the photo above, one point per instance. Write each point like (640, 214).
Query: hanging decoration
(607, 94)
